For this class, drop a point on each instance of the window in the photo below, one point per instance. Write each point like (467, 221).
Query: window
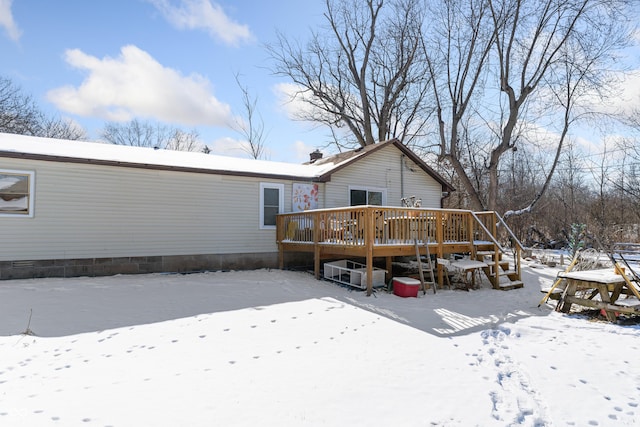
(367, 196)
(16, 193)
(271, 204)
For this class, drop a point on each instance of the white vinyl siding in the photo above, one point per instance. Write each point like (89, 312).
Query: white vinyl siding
(92, 211)
(87, 211)
(381, 170)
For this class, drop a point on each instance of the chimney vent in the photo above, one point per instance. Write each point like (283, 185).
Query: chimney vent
(316, 155)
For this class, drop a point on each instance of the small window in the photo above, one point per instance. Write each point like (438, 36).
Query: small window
(367, 196)
(271, 204)
(16, 193)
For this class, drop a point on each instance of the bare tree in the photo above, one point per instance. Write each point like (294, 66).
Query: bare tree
(630, 150)
(627, 184)
(364, 73)
(20, 114)
(146, 134)
(541, 60)
(60, 128)
(459, 46)
(252, 126)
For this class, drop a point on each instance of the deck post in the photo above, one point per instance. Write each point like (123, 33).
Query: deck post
(368, 238)
(279, 237)
(439, 249)
(316, 261)
(389, 267)
(316, 247)
(472, 238)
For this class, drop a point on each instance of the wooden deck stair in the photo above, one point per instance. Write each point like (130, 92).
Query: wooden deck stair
(501, 273)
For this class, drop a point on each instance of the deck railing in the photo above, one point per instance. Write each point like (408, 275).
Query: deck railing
(381, 231)
(383, 225)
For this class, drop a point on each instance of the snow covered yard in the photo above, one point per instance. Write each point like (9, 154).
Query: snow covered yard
(280, 348)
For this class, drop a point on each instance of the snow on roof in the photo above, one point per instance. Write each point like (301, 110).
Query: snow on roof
(156, 157)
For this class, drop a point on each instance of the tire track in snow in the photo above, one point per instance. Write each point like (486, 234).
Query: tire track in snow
(515, 401)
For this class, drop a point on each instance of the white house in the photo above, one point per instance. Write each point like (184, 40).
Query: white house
(70, 208)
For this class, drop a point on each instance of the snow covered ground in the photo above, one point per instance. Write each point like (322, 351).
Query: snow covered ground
(280, 348)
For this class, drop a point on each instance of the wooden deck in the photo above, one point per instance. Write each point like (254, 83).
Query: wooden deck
(385, 232)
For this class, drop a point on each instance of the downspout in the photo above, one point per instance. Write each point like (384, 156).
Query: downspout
(402, 176)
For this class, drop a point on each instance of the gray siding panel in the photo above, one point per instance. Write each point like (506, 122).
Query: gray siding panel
(382, 169)
(98, 211)
(102, 211)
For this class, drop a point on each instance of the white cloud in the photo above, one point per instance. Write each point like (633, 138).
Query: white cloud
(232, 147)
(7, 22)
(302, 150)
(204, 15)
(291, 98)
(629, 89)
(136, 85)
(285, 94)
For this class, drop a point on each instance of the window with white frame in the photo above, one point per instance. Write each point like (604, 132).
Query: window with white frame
(367, 196)
(16, 193)
(271, 204)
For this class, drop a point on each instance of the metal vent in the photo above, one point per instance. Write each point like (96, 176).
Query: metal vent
(22, 264)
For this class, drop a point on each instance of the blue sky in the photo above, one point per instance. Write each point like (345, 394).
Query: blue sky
(171, 61)
(175, 61)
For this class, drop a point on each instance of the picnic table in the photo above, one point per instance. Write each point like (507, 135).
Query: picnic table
(467, 267)
(583, 286)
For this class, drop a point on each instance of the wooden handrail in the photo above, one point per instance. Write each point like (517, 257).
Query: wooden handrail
(388, 225)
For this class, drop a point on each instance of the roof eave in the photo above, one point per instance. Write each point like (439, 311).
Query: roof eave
(116, 163)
